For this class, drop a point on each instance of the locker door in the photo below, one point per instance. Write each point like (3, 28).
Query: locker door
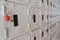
(46, 30)
(23, 37)
(36, 35)
(35, 3)
(43, 17)
(18, 24)
(34, 18)
(50, 15)
(24, 2)
(46, 16)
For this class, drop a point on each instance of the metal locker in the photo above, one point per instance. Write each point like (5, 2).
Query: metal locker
(50, 3)
(44, 32)
(30, 20)
(22, 37)
(36, 34)
(50, 15)
(53, 15)
(34, 18)
(51, 29)
(35, 3)
(22, 2)
(47, 32)
(44, 5)
(46, 16)
(18, 23)
(43, 17)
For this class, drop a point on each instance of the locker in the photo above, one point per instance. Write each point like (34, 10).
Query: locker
(43, 17)
(35, 18)
(45, 32)
(22, 2)
(46, 16)
(23, 37)
(36, 3)
(18, 23)
(45, 4)
(30, 20)
(36, 34)
(50, 3)
(50, 15)
(50, 29)
(53, 14)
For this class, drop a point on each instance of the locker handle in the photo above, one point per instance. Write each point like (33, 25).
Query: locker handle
(15, 18)
(42, 33)
(42, 17)
(34, 18)
(5, 0)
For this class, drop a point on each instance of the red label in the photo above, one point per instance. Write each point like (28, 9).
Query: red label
(7, 18)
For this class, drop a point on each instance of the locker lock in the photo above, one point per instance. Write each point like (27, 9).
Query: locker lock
(7, 18)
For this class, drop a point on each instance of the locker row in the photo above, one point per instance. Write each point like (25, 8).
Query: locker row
(41, 33)
(30, 19)
(34, 3)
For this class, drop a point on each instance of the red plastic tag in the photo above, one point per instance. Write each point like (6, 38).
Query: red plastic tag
(7, 18)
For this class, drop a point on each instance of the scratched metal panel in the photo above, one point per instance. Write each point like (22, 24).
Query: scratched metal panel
(23, 26)
(35, 18)
(22, 2)
(23, 37)
(36, 34)
(35, 3)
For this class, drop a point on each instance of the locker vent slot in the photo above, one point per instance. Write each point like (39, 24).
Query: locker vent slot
(47, 30)
(51, 4)
(42, 17)
(50, 16)
(5, 0)
(42, 33)
(47, 2)
(42, 1)
(34, 18)
(47, 16)
(34, 38)
(53, 25)
(15, 18)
